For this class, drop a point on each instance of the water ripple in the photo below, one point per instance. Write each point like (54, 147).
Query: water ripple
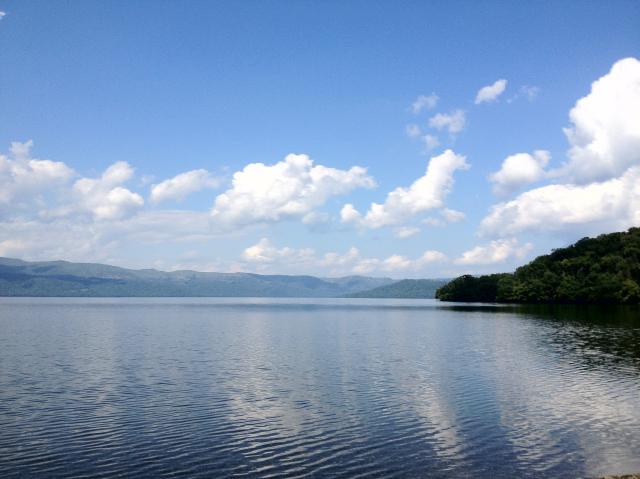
(314, 389)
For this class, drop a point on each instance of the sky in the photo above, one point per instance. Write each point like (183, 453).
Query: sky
(401, 139)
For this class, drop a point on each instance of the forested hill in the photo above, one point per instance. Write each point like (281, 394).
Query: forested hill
(602, 270)
(62, 278)
(406, 288)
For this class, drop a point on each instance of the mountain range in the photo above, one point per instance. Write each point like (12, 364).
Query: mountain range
(63, 278)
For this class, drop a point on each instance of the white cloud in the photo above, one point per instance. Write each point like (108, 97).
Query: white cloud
(426, 193)
(491, 93)
(265, 252)
(430, 141)
(413, 131)
(70, 240)
(424, 102)
(264, 255)
(290, 188)
(396, 263)
(452, 216)
(432, 256)
(406, 232)
(182, 185)
(51, 217)
(598, 207)
(402, 263)
(497, 251)
(104, 197)
(519, 170)
(453, 122)
(347, 259)
(2, 14)
(80, 238)
(348, 214)
(605, 131)
(24, 180)
(601, 192)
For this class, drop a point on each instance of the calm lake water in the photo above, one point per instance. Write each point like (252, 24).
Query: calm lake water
(320, 388)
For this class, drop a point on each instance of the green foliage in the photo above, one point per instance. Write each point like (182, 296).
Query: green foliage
(602, 270)
(406, 288)
(481, 289)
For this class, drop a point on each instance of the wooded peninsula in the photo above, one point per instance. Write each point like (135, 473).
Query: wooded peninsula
(602, 270)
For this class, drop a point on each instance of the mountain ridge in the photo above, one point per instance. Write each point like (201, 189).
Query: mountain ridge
(65, 278)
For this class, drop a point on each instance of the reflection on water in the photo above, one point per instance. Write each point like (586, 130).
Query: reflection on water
(323, 388)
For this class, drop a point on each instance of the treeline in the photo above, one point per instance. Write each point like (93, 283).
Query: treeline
(602, 270)
(406, 288)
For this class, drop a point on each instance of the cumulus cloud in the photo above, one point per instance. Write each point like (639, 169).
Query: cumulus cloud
(290, 188)
(432, 256)
(497, 251)
(24, 180)
(601, 189)
(406, 232)
(601, 206)
(348, 214)
(264, 255)
(265, 252)
(424, 102)
(2, 14)
(348, 259)
(453, 122)
(81, 238)
(104, 197)
(64, 239)
(519, 170)
(182, 185)
(605, 131)
(426, 193)
(491, 92)
(398, 263)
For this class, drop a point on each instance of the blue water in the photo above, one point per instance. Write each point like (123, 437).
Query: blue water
(315, 388)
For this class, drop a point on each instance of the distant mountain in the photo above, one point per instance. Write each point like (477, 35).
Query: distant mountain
(62, 278)
(406, 288)
(602, 270)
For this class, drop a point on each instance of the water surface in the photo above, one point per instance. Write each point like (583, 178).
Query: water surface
(316, 388)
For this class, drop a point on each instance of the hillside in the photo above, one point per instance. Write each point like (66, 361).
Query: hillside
(602, 270)
(406, 288)
(62, 278)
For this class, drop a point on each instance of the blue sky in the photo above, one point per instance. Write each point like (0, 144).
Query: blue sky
(216, 95)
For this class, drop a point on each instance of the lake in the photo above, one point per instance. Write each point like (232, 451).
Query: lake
(195, 387)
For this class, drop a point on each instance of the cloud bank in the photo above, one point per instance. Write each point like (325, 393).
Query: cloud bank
(598, 187)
